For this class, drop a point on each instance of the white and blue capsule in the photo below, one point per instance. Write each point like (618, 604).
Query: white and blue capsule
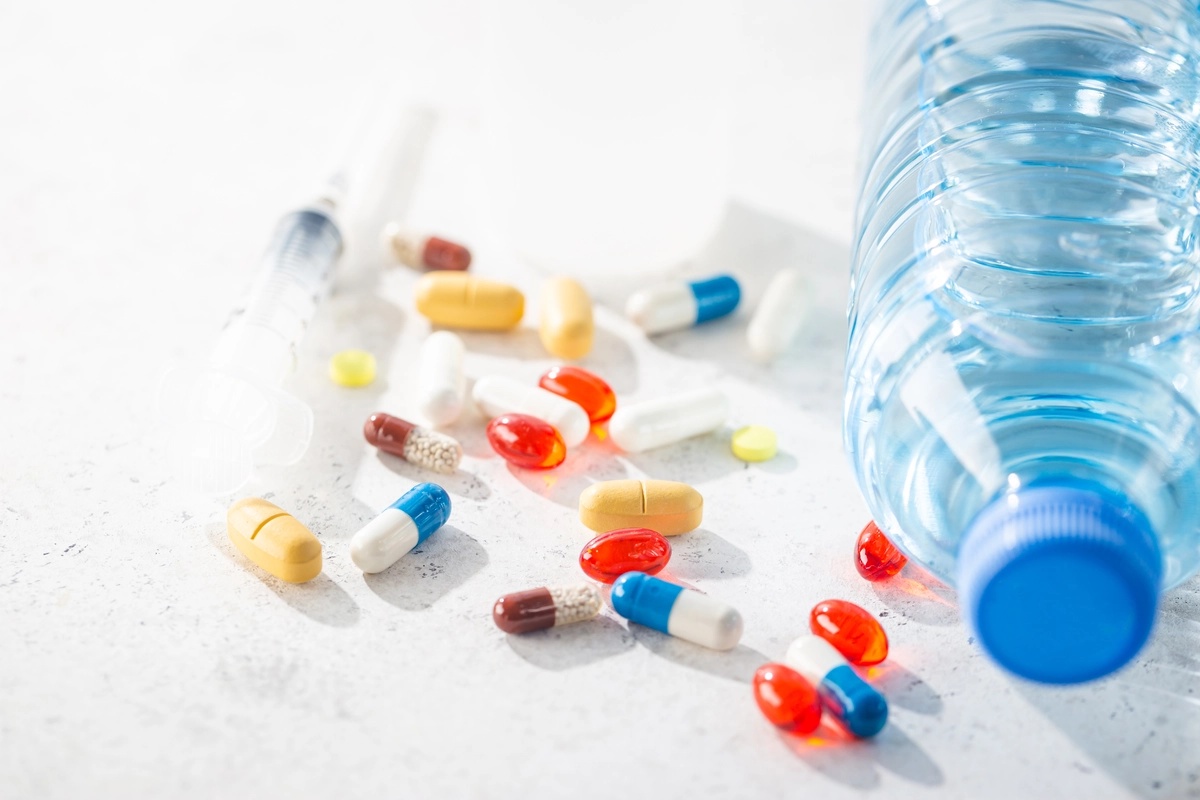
(678, 305)
(858, 707)
(400, 527)
(674, 610)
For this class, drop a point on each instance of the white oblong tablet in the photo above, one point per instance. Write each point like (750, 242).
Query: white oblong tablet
(497, 395)
(779, 315)
(655, 423)
(440, 384)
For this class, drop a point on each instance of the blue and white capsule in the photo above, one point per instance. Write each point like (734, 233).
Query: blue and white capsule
(674, 610)
(678, 305)
(403, 525)
(859, 708)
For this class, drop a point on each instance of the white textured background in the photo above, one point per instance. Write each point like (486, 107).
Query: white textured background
(145, 153)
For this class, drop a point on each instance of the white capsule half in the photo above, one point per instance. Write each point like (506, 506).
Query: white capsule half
(705, 621)
(779, 315)
(655, 423)
(813, 657)
(496, 395)
(384, 540)
(662, 308)
(441, 390)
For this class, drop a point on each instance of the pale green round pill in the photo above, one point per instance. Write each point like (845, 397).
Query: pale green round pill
(352, 368)
(754, 443)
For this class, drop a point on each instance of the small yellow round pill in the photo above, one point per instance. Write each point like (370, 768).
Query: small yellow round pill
(352, 368)
(754, 443)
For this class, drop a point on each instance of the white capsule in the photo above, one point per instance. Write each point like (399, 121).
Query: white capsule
(654, 423)
(440, 384)
(496, 396)
(779, 315)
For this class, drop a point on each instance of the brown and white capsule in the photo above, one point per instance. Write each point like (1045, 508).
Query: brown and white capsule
(537, 609)
(421, 446)
(420, 250)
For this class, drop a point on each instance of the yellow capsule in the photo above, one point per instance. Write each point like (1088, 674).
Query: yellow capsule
(664, 506)
(274, 539)
(566, 328)
(457, 300)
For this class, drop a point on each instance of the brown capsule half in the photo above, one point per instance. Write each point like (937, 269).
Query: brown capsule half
(521, 612)
(388, 433)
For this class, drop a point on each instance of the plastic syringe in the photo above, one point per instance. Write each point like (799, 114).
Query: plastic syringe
(232, 414)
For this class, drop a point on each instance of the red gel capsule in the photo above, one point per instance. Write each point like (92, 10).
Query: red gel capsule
(851, 629)
(444, 254)
(610, 555)
(786, 699)
(526, 441)
(582, 387)
(875, 557)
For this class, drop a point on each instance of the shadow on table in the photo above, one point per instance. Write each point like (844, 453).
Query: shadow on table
(904, 689)
(461, 483)
(703, 554)
(856, 762)
(572, 645)
(737, 664)
(1142, 725)
(320, 599)
(439, 565)
(919, 596)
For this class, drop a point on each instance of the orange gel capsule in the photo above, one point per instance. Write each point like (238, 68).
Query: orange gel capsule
(786, 699)
(875, 556)
(583, 388)
(851, 629)
(526, 442)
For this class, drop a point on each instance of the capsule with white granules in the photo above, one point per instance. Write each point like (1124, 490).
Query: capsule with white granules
(541, 608)
(421, 446)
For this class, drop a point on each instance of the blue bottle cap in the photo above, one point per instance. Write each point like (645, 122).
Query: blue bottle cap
(1060, 583)
(428, 505)
(856, 705)
(715, 297)
(645, 600)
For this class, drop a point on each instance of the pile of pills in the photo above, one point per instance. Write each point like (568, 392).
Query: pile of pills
(535, 426)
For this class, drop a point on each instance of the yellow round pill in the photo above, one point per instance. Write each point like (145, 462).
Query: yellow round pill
(352, 368)
(754, 443)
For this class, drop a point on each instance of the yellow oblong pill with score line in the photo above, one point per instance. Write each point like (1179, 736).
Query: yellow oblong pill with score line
(668, 507)
(457, 300)
(274, 540)
(754, 443)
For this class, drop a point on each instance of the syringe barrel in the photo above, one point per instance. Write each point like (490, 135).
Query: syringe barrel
(262, 335)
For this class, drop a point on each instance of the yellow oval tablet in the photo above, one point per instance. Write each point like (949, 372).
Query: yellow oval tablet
(664, 506)
(566, 327)
(456, 300)
(754, 443)
(274, 539)
(352, 368)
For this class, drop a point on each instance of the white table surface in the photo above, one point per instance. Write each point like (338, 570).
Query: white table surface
(145, 154)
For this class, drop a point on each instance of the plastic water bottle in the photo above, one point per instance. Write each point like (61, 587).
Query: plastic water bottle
(1024, 363)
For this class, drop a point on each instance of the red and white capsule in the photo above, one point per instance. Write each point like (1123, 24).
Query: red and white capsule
(420, 250)
(541, 608)
(421, 446)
